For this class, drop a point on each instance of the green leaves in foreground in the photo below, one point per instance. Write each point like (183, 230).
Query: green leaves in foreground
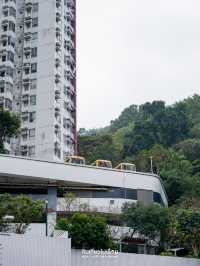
(87, 231)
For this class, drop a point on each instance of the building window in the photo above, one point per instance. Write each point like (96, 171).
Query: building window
(8, 104)
(34, 52)
(26, 71)
(9, 87)
(33, 100)
(2, 73)
(31, 151)
(34, 68)
(34, 36)
(5, 13)
(3, 58)
(11, 26)
(24, 151)
(24, 117)
(34, 22)
(28, 24)
(24, 134)
(35, 7)
(12, 12)
(32, 133)
(26, 86)
(32, 117)
(2, 89)
(10, 56)
(33, 84)
(9, 72)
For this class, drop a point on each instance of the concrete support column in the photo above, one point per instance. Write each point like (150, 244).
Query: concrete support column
(52, 209)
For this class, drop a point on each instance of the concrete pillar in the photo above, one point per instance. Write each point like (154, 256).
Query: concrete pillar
(52, 209)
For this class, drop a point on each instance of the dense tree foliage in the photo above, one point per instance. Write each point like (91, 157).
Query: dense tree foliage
(87, 231)
(174, 227)
(22, 208)
(170, 134)
(152, 221)
(188, 230)
(9, 127)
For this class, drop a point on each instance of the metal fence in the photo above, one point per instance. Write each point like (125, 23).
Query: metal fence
(18, 250)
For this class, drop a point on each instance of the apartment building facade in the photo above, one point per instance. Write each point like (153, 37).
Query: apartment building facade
(38, 75)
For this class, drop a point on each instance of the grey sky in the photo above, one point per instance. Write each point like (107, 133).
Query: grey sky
(132, 51)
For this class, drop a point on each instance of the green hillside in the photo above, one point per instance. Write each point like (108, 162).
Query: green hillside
(171, 134)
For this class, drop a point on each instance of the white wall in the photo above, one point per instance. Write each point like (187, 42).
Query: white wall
(125, 259)
(94, 204)
(18, 250)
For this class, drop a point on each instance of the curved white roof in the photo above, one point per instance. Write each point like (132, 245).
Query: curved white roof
(25, 170)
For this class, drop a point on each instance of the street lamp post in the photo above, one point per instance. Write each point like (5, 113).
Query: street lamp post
(46, 216)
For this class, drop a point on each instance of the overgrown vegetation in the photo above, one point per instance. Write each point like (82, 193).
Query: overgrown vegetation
(170, 134)
(167, 227)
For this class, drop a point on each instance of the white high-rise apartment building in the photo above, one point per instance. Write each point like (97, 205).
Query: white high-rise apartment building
(38, 74)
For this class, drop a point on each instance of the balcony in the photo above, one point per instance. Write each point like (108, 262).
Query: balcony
(27, 48)
(58, 117)
(27, 66)
(28, 8)
(58, 3)
(24, 134)
(24, 148)
(57, 95)
(70, 3)
(69, 44)
(28, 3)
(24, 117)
(70, 16)
(57, 78)
(58, 17)
(57, 111)
(27, 17)
(58, 47)
(57, 149)
(26, 86)
(9, 4)
(57, 62)
(70, 29)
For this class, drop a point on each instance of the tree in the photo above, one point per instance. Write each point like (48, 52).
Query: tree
(5, 206)
(152, 221)
(159, 155)
(69, 199)
(176, 173)
(87, 231)
(188, 230)
(129, 115)
(190, 148)
(23, 209)
(9, 127)
(97, 147)
(192, 105)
